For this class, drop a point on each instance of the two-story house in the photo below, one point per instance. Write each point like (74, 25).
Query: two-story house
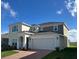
(17, 36)
(42, 36)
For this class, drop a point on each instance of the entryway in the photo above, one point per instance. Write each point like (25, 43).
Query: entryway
(21, 43)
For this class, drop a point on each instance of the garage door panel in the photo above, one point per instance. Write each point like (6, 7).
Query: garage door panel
(43, 43)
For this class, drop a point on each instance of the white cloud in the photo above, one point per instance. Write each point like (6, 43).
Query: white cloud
(71, 6)
(4, 32)
(6, 6)
(72, 35)
(59, 11)
(13, 13)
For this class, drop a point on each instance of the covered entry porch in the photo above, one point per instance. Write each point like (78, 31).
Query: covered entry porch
(23, 43)
(19, 40)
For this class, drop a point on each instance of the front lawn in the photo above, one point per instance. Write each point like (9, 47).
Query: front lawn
(7, 53)
(68, 53)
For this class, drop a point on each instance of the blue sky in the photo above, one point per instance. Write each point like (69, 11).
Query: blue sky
(38, 11)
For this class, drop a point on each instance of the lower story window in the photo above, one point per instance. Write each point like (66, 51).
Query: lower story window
(14, 42)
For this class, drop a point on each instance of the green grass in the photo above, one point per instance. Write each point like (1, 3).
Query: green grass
(73, 44)
(7, 53)
(68, 53)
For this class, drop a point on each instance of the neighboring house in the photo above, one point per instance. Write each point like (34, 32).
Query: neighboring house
(42, 36)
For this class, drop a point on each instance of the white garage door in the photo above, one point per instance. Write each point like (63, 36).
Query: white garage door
(44, 43)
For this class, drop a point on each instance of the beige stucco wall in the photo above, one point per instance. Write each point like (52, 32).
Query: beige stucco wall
(10, 28)
(65, 30)
(14, 36)
(45, 40)
(25, 28)
(63, 42)
(21, 27)
(17, 36)
(18, 26)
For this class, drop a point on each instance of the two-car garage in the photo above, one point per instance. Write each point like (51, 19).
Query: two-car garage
(46, 40)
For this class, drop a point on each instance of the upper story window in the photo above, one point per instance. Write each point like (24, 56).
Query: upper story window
(14, 28)
(41, 29)
(55, 28)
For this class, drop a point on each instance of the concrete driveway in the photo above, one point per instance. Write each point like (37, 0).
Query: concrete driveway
(31, 54)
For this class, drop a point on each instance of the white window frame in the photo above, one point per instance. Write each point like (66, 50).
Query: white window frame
(14, 41)
(13, 28)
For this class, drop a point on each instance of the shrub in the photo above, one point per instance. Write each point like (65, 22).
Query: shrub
(57, 49)
(6, 47)
(58, 58)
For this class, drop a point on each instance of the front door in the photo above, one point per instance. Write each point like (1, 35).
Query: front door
(27, 43)
(21, 43)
